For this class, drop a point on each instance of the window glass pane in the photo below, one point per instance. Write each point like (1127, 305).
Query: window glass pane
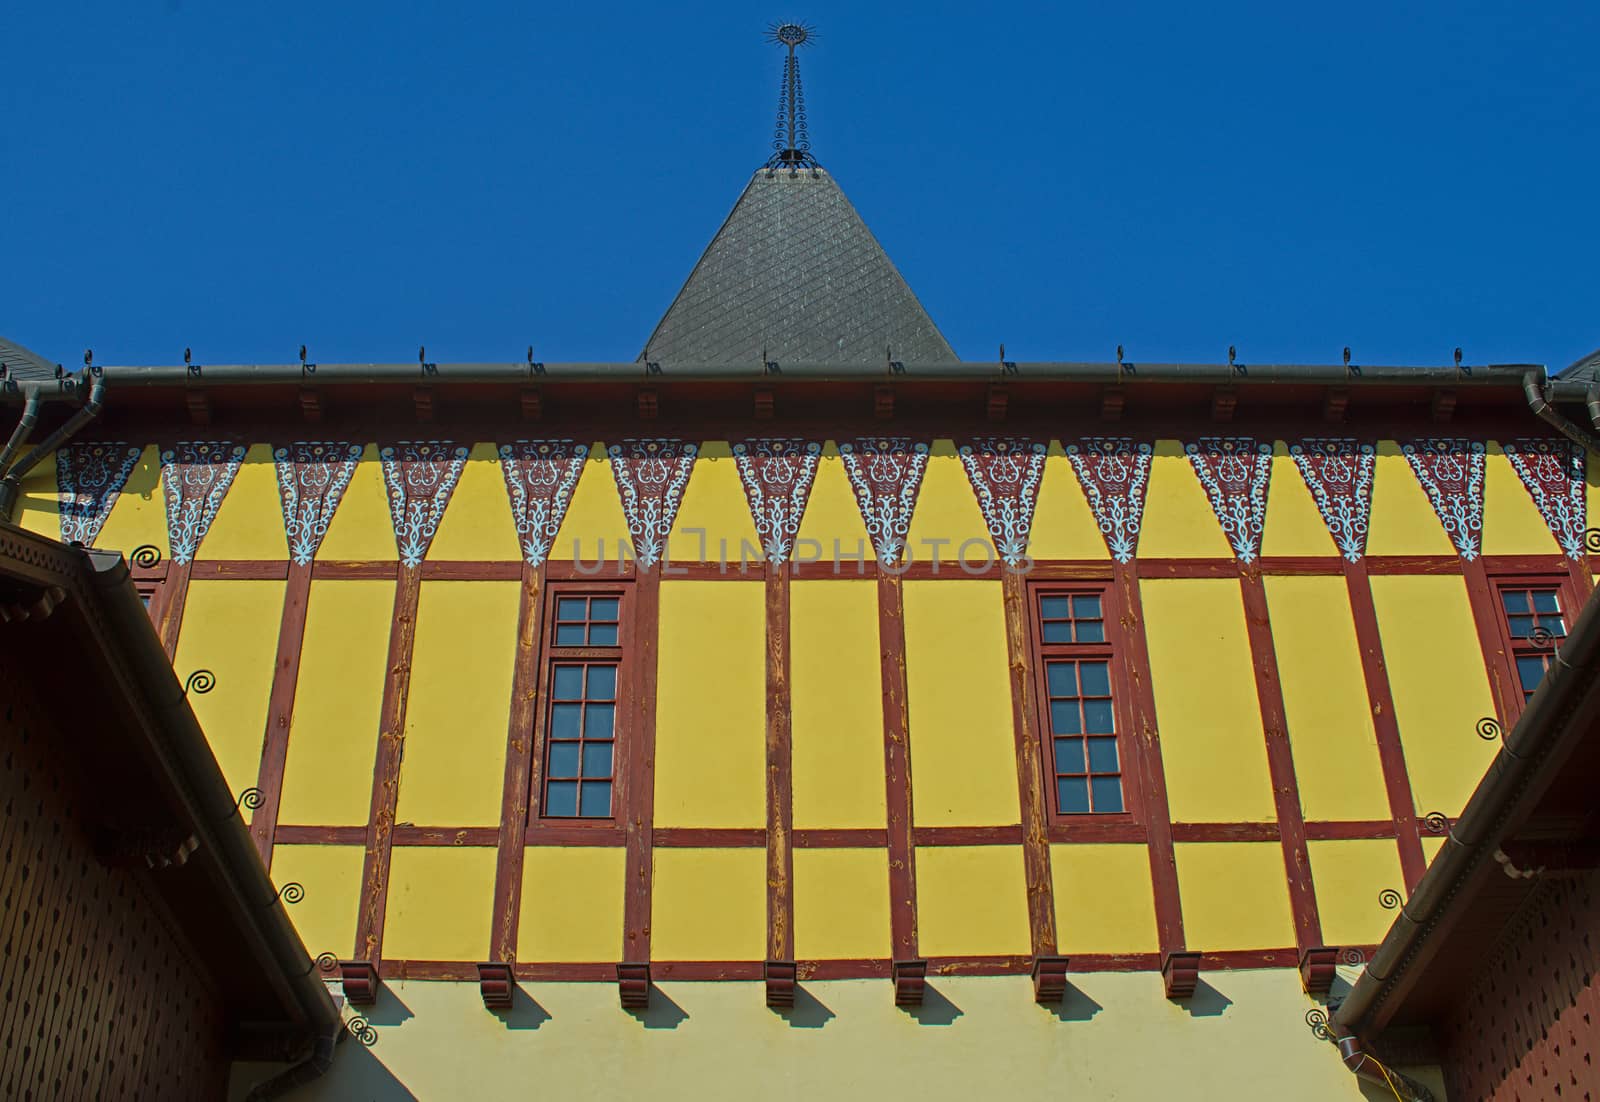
(564, 720)
(597, 759)
(568, 683)
(1064, 718)
(1095, 677)
(1086, 608)
(1520, 626)
(602, 635)
(561, 798)
(1546, 601)
(597, 799)
(1097, 717)
(1072, 795)
(1531, 670)
(1063, 679)
(602, 683)
(1554, 625)
(570, 608)
(563, 760)
(1069, 755)
(569, 635)
(1515, 600)
(1058, 631)
(603, 608)
(598, 720)
(1053, 608)
(1091, 631)
(1107, 794)
(1103, 755)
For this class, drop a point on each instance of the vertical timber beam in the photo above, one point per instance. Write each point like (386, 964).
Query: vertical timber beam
(1147, 740)
(174, 595)
(780, 770)
(641, 798)
(1030, 771)
(280, 709)
(386, 766)
(520, 768)
(897, 766)
(1496, 663)
(1391, 755)
(1280, 762)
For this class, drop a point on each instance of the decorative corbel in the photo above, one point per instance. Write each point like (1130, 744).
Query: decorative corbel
(360, 981)
(1317, 966)
(633, 985)
(496, 984)
(883, 402)
(1180, 972)
(779, 975)
(910, 982)
(1049, 979)
(1223, 401)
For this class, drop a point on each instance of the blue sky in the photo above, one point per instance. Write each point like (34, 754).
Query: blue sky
(364, 178)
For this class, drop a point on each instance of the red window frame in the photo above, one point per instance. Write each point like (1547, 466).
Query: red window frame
(1110, 649)
(1518, 643)
(556, 655)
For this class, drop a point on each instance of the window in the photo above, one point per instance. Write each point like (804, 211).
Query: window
(1083, 761)
(580, 755)
(1535, 620)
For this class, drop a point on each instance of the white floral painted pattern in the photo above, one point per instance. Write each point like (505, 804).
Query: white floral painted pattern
(89, 478)
(777, 474)
(541, 476)
(195, 477)
(419, 476)
(886, 474)
(1234, 471)
(1114, 472)
(1450, 470)
(312, 478)
(1005, 472)
(1555, 474)
(651, 475)
(1338, 470)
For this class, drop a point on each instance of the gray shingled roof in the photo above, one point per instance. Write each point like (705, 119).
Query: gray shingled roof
(1585, 370)
(22, 364)
(795, 272)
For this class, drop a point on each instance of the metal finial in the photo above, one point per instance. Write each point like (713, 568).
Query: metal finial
(302, 355)
(1119, 353)
(1231, 355)
(88, 357)
(1347, 355)
(1002, 351)
(1458, 357)
(791, 144)
(188, 356)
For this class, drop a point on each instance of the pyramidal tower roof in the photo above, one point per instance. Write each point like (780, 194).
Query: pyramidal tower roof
(794, 274)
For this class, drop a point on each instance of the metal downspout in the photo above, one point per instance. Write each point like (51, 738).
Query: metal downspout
(1367, 1069)
(311, 1068)
(1592, 399)
(13, 477)
(1533, 389)
(30, 416)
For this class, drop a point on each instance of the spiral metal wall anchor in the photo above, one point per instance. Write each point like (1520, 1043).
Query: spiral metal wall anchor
(1436, 822)
(324, 962)
(146, 556)
(361, 1029)
(291, 893)
(1542, 637)
(1317, 1020)
(1591, 540)
(250, 799)
(1389, 899)
(199, 682)
(1352, 956)
(1489, 728)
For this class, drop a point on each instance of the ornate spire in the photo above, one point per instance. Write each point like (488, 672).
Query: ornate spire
(790, 143)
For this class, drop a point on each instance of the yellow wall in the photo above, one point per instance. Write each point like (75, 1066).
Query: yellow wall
(1103, 899)
(971, 900)
(1063, 525)
(571, 903)
(440, 899)
(594, 526)
(836, 701)
(331, 876)
(963, 751)
(714, 503)
(841, 904)
(477, 523)
(1293, 526)
(1402, 522)
(1325, 699)
(709, 904)
(947, 510)
(1116, 1039)
(38, 506)
(1235, 895)
(1206, 706)
(140, 515)
(231, 629)
(1440, 688)
(338, 703)
(711, 705)
(832, 515)
(249, 525)
(1511, 522)
(461, 670)
(361, 528)
(1178, 518)
(1348, 875)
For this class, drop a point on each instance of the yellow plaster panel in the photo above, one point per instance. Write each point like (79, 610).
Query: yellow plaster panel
(709, 904)
(715, 504)
(362, 528)
(337, 702)
(1063, 524)
(1293, 526)
(971, 900)
(440, 900)
(594, 527)
(1348, 875)
(711, 705)
(250, 523)
(477, 523)
(1431, 847)
(1178, 519)
(456, 715)
(1511, 523)
(572, 903)
(841, 904)
(140, 514)
(963, 752)
(331, 876)
(1325, 699)
(833, 519)
(1402, 522)
(1440, 688)
(39, 501)
(1206, 706)
(1592, 487)
(947, 513)
(1104, 902)
(836, 694)
(1235, 895)
(231, 628)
